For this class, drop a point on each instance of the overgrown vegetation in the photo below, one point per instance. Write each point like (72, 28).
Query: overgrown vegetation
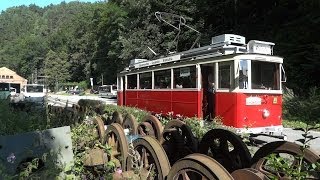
(99, 39)
(295, 167)
(301, 111)
(13, 122)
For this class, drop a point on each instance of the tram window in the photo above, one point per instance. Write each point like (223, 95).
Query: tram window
(265, 75)
(224, 75)
(132, 81)
(145, 80)
(162, 79)
(185, 77)
(243, 74)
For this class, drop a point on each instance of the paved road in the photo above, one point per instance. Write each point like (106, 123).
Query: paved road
(292, 135)
(60, 100)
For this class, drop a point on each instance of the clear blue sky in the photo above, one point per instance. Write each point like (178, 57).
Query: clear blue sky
(4, 4)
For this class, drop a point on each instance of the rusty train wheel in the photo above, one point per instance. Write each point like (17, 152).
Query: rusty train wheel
(150, 125)
(288, 150)
(198, 166)
(130, 123)
(248, 173)
(148, 153)
(146, 129)
(189, 139)
(227, 148)
(117, 118)
(178, 140)
(100, 129)
(117, 141)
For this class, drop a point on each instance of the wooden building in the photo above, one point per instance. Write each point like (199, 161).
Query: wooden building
(9, 76)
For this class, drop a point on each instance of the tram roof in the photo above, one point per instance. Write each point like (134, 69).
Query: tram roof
(226, 46)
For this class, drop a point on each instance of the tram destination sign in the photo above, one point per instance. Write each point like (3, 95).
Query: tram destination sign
(158, 61)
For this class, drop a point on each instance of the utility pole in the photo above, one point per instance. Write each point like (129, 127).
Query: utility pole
(101, 79)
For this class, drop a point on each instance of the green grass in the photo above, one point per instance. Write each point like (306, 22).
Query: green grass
(295, 124)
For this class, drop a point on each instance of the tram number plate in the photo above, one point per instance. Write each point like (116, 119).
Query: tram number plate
(250, 101)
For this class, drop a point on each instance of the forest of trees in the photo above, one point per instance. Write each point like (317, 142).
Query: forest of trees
(71, 42)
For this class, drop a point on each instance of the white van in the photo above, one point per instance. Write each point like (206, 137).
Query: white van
(34, 93)
(108, 91)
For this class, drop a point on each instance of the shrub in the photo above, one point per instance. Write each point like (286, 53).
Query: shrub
(304, 108)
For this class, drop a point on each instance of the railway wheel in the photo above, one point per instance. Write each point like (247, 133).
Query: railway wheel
(178, 140)
(248, 173)
(227, 148)
(130, 123)
(148, 156)
(288, 152)
(151, 126)
(117, 118)
(101, 132)
(198, 166)
(117, 141)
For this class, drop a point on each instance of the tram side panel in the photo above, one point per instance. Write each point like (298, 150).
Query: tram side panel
(120, 98)
(259, 110)
(226, 107)
(155, 101)
(249, 110)
(186, 103)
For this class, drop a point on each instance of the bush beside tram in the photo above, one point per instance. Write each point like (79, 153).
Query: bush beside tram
(237, 81)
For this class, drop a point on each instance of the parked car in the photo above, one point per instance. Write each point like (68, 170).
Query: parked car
(75, 91)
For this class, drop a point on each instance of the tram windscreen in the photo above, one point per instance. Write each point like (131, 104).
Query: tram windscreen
(265, 75)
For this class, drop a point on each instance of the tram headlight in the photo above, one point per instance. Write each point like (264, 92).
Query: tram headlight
(265, 113)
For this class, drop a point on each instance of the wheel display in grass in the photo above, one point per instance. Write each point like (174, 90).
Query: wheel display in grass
(131, 124)
(117, 118)
(150, 125)
(148, 157)
(117, 141)
(178, 140)
(227, 148)
(248, 174)
(288, 154)
(100, 129)
(198, 166)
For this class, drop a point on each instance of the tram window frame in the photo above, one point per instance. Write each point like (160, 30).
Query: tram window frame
(243, 76)
(143, 80)
(265, 75)
(185, 82)
(162, 79)
(222, 80)
(119, 83)
(132, 81)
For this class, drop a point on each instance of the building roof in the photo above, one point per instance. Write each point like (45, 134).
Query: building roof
(8, 72)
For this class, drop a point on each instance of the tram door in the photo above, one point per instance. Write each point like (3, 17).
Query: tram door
(208, 87)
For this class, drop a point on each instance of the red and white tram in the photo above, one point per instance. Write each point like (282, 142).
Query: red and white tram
(237, 81)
